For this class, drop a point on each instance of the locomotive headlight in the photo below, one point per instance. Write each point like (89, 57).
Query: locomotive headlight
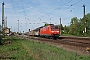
(57, 31)
(52, 31)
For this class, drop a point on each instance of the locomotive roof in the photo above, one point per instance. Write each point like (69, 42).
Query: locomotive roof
(44, 26)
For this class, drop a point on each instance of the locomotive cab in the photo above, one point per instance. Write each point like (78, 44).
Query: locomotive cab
(55, 31)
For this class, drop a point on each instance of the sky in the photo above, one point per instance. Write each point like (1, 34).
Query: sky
(35, 13)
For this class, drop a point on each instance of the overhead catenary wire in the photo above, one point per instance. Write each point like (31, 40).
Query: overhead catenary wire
(71, 5)
(66, 8)
(15, 10)
(23, 9)
(48, 15)
(60, 6)
(24, 13)
(76, 2)
(69, 8)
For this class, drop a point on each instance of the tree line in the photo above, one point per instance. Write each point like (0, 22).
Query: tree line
(78, 27)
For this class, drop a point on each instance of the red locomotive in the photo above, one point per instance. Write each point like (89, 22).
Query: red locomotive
(46, 31)
(50, 31)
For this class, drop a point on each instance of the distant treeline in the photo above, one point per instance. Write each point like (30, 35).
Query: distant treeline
(78, 26)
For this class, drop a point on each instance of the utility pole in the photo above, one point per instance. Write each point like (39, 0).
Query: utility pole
(84, 21)
(60, 26)
(18, 26)
(6, 23)
(11, 28)
(3, 17)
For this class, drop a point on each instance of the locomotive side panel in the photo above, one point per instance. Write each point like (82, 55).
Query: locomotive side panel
(45, 31)
(48, 30)
(42, 31)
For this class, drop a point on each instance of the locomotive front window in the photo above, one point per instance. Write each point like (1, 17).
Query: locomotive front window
(54, 27)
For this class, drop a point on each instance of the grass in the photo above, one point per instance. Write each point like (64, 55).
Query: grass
(14, 51)
(31, 50)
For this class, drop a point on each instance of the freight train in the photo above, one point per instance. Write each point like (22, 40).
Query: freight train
(50, 31)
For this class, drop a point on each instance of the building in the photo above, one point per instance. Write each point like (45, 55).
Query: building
(6, 30)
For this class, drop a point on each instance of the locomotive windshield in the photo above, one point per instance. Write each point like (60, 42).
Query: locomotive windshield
(54, 27)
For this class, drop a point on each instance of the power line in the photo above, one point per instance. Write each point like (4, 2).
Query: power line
(14, 9)
(24, 13)
(64, 4)
(76, 2)
(71, 6)
(23, 9)
(55, 9)
(41, 9)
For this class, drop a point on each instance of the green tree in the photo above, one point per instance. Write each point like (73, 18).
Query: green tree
(74, 26)
(66, 29)
(85, 22)
(46, 24)
(77, 26)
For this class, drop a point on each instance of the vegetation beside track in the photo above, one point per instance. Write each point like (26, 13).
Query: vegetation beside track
(13, 50)
(21, 49)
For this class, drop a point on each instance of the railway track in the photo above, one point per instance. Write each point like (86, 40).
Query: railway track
(74, 45)
(74, 42)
